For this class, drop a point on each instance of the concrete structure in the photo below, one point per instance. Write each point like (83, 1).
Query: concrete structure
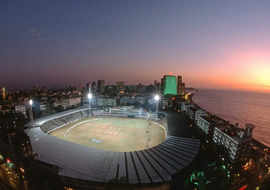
(20, 109)
(169, 85)
(132, 100)
(68, 102)
(164, 103)
(230, 143)
(233, 139)
(191, 110)
(43, 106)
(198, 114)
(180, 86)
(103, 101)
(80, 165)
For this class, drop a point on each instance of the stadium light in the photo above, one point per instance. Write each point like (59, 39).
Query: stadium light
(31, 116)
(30, 102)
(89, 96)
(156, 97)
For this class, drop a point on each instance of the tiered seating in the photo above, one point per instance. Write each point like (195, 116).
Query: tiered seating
(64, 120)
(58, 122)
(153, 165)
(84, 114)
(48, 126)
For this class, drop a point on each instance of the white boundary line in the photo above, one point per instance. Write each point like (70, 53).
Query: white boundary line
(164, 128)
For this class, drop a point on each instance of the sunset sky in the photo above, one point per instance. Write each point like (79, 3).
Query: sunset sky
(213, 44)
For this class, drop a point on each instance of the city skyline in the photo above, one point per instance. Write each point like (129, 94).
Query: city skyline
(211, 44)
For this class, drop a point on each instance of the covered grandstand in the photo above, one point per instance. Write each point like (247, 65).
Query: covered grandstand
(77, 162)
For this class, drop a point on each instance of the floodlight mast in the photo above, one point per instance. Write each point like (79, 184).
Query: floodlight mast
(157, 99)
(89, 96)
(31, 116)
(31, 102)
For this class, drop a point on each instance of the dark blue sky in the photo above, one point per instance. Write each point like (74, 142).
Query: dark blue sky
(74, 41)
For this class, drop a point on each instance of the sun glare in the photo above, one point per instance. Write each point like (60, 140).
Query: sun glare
(262, 74)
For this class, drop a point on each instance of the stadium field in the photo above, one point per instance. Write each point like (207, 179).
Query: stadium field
(113, 134)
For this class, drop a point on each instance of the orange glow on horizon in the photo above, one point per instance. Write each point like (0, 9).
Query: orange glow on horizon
(249, 70)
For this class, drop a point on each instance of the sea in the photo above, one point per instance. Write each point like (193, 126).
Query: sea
(239, 107)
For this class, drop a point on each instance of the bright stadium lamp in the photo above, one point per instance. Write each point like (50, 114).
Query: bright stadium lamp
(156, 97)
(31, 111)
(89, 96)
(30, 102)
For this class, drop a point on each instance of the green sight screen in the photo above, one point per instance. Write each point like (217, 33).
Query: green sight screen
(170, 85)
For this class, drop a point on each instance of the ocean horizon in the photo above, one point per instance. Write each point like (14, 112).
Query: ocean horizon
(238, 106)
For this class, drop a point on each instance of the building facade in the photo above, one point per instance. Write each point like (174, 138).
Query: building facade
(100, 86)
(230, 143)
(203, 124)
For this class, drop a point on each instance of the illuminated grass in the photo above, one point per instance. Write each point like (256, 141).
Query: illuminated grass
(113, 134)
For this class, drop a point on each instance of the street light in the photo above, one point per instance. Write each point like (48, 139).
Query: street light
(89, 96)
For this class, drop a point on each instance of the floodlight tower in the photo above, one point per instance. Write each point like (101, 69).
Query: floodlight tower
(31, 110)
(89, 96)
(157, 99)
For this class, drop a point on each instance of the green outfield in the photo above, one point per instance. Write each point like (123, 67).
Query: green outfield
(113, 134)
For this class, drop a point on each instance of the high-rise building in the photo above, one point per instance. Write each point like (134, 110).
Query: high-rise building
(100, 86)
(94, 87)
(169, 85)
(180, 86)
